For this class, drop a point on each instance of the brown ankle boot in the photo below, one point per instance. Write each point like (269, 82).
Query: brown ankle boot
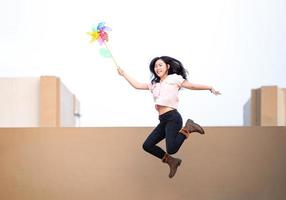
(190, 127)
(173, 163)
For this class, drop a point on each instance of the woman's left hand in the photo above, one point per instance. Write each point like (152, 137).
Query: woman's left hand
(215, 92)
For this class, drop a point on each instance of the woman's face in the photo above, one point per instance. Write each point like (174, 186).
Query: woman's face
(161, 69)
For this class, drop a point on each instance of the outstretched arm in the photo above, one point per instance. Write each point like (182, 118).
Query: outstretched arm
(134, 83)
(192, 86)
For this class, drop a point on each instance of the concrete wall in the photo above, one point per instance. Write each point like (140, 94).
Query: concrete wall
(19, 102)
(228, 163)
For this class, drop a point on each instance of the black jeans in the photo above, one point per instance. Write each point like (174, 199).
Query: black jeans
(169, 127)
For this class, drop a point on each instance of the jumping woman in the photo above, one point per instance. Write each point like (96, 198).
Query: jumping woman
(168, 76)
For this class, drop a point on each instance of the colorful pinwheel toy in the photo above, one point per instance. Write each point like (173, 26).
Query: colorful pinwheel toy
(99, 33)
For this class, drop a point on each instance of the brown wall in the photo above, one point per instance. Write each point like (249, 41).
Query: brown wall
(228, 163)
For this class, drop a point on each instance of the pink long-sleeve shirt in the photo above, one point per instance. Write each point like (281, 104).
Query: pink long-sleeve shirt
(165, 93)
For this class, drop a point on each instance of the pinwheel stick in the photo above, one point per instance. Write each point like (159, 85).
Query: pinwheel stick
(111, 54)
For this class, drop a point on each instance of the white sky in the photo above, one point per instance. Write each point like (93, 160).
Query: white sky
(234, 45)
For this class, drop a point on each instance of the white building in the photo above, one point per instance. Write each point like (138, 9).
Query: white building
(37, 102)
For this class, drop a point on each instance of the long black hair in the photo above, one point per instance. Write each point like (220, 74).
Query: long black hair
(176, 67)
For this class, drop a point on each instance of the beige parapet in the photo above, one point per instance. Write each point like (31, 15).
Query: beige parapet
(227, 163)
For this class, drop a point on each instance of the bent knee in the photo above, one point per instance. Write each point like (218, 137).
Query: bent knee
(171, 151)
(146, 147)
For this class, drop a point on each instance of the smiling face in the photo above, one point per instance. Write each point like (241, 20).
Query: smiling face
(161, 69)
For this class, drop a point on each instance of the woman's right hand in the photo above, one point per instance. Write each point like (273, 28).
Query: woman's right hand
(120, 71)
